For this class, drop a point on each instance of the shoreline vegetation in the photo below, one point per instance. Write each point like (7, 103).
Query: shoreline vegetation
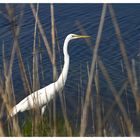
(59, 124)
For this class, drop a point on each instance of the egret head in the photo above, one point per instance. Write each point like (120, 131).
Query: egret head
(74, 36)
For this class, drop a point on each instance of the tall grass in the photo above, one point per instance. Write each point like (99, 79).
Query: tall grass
(88, 92)
(55, 123)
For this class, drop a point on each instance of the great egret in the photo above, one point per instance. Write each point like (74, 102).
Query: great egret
(41, 97)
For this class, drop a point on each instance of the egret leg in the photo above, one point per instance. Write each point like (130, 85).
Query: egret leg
(43, 109)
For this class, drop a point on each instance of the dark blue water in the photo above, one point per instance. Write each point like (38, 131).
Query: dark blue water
(66, 17)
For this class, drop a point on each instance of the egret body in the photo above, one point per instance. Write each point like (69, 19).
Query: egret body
(41, 97)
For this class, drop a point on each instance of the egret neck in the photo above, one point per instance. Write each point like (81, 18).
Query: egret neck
(59, 84)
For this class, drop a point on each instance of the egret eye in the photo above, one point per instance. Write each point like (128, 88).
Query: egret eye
(73, 36)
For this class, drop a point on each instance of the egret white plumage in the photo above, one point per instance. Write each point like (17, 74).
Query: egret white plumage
(41, 97)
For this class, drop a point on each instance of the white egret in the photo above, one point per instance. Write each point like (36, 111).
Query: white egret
(41, 97)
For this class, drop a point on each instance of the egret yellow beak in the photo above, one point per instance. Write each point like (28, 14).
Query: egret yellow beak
(81, 36)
